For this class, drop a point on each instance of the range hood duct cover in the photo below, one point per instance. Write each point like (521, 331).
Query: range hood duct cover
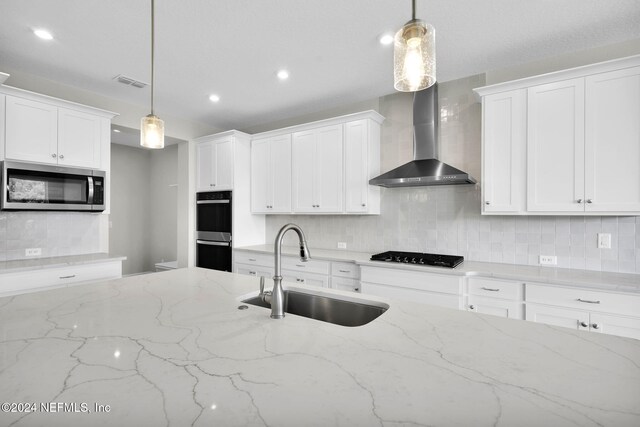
(425, 169)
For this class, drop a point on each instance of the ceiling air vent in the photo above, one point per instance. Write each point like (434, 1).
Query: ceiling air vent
(129, 81)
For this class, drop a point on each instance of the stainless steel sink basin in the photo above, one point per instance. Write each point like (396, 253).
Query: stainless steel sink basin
(326, 309)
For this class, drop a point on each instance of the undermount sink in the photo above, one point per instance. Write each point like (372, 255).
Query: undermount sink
(326, 309)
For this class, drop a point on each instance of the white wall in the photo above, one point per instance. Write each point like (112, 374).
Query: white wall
(163, 204)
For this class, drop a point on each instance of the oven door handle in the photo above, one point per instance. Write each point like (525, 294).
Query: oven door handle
(205, 242)
(211, 202)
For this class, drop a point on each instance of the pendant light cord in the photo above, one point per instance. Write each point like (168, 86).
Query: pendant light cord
(152, 48)
(413, 10)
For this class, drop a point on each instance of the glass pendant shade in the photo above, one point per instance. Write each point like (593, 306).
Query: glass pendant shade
(414, 57)
(152, 132)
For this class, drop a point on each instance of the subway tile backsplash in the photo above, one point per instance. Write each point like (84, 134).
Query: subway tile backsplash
(56, 233)
(423, 219)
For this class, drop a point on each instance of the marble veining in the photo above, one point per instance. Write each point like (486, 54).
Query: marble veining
(172, 349)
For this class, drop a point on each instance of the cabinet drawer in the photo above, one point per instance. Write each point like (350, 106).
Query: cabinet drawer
(494, 288)
(412, 295)
(496, 307)
(300, 278)
(253, 258)
(345, 269)
(584, 299)
(253, 270)
(24, 281)
(345, 284)
(412, 279)
(311, 266)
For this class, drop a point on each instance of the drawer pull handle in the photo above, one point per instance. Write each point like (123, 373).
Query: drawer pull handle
(356, 289)
(491, 289)
(68, 277)
(300, 265)
(588, 301)
(252, 259)
(300, 280)
(253, 273)
(344, 271)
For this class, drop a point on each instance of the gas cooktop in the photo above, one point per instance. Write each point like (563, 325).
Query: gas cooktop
(449, 261)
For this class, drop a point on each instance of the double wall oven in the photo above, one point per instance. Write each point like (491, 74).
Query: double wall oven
(213, 230)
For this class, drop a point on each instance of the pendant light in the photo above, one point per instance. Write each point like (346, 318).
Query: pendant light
(414, 55)
(151, 126)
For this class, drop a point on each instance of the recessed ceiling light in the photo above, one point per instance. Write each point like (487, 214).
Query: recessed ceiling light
(43, 34)
(116, 130)
(214, 98)
(283, 74)
(386, 39)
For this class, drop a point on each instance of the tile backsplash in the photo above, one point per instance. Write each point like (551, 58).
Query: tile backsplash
(447, 219)
(56, 233)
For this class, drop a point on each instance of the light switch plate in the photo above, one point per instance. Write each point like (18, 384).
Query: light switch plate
(604, 240)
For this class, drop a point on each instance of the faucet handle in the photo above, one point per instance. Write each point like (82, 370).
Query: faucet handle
(261, 285)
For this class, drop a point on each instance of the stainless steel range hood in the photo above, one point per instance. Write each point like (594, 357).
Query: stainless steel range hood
(425, 169)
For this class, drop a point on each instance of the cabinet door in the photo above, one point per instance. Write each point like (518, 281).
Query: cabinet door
(612, 141)
(555, 147)
(344, 284)
(304, 171)
(261, 180)
(310, 279)
(356, 166)
(504, 139)
(223, 169)
(568, 318)
(79, 138)
(31, 131)
(496, 307)
(205, 158)
(280, 173)
(328, 170)
(615, 325)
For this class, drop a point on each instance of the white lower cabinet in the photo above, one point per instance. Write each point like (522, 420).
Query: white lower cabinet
(430, 288)
(584, 309)
(58, 277)
(501, 298)
(311, 279)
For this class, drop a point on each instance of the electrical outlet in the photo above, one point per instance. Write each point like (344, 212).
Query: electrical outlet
(548, 260)
(342, 245)
(604, 240)
(33, 251)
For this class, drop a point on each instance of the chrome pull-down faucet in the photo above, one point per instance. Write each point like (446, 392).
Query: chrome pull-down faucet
(277, 295)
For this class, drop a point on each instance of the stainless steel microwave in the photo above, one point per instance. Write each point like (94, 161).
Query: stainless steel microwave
(36, 187)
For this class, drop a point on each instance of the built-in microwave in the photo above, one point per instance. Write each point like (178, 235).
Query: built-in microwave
(31, 186)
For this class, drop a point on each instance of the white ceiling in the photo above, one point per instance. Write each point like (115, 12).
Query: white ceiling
(234, 48)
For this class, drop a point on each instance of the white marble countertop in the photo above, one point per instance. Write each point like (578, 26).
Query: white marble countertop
(602, 280)
(172, 348)
(61, 261)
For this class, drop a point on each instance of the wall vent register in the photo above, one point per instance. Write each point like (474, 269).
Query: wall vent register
(418, 258)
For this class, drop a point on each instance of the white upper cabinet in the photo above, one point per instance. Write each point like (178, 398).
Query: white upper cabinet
(215, 165)
(31, 131)
(317, 170)
(46, 133)
(555, 147)
(612, 142)
(362, 162)
(326, 170)
(582, 142)
(504, 144)
(271, 175)
(79, 138)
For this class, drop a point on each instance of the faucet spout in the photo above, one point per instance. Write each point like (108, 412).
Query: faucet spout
(277, 296)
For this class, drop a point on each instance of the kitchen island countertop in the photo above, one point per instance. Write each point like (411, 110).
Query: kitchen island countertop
(173, 348)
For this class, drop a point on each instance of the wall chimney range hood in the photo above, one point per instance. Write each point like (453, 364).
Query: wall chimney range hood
(425, 169)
